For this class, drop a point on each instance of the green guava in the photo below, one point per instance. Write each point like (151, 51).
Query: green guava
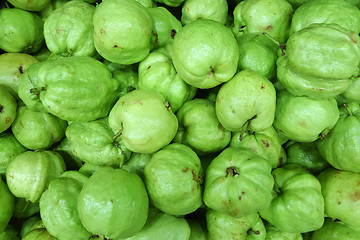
(173, 179)
(37, 5)
(136, 163)
(238, 182)
(334, 230)
(352, 93)
(205, 53)
(25, 209)
(127, 77)
(143, 120)
(10, 147)
(247, 102)
(10, 233)
(198, 229)
(8, 107)
(113, 203)
(28, 223)
(65, 149)
(7, 205)
(54, 4)
(38, 234)
(171, 3)
(272, 233)
(216, 10)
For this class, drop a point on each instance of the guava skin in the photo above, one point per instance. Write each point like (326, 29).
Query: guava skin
(30, 5)
(205, 53)
(304, 119)
(10, 233)
(7, 205)
(171, 3)
(173, 179)
(10, 147)
(340, 146)
(69, 31)
(247, 101)
(333, 230)
(37, 130)
(25, 209)
(123, 31)
(38, 234)
(223, 226)
(8, 107)
(238, 182)
(20, 31)
(216, 10)
(199, 127)
(297, 205)
(143, 120)
(341, 202)
(30, 173)
(121, 208)
(272, 233)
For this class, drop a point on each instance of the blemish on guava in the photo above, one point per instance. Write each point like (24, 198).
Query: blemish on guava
(355, 196)
(185, 169)
(266, 143)
(1, 108)
(21, 70)
(7, 120)
(232, 171)
(172, 33)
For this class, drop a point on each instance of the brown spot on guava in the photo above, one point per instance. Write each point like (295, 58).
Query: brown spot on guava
(355, 196)
(21, 69)
(266, 143)
(185, 169)
(268, 28)
(7, 120)
(172, 33)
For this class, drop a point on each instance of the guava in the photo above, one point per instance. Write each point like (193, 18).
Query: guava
(54, 4)
(136, 163)
(333, 230)
(7, 205)
(113, 203)
(28, 223)
(30, 5)
(69, 30)
(198, 229)
(25, 209)
(30, 173)
(65, 149)
(10, 147)
(238, 182)
(173, 179)
(123, 31)
(199, 127)
(143, 121)
(127, 77)
(10, 233)
(216, 10)
(38, 234)
(8, 107)
(304, 119)
(352, 93)
(20, 31)
(297, 204)
(247, 101)
(205, 53)
(273, 233)
(340, 146)
(171, 3)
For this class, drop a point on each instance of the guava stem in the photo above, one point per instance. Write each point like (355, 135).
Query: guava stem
(37, 91)
(281, 45)
(347, 109)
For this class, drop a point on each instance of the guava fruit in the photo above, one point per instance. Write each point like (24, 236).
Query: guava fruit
(66, 86)
(338, 12)
(205, 53)
(238, 182)
(127, 77)
(10, 147)
(30, 173)
(113, 203)
(10, 233)
(333, 230)
(157, 73)
(58, 209)
(224, 226)
(304, 119)
(247, 101)
(95, 142)
(27, 225)
(54, 4)
(199, 127)
(340, 146)
(143, 121)
(64, 148)
(173, 179)
(30, 5)
(297, 204)
(12, 67)
(198, 229)
(352, 93)
(37, 130)
(136, 163)
(341, 192)
(7, 205)
(258, 16)
(38, 234)
(69, 30)
(123, 31)
(25, 209)
(272, 233)
(171, 3)
(8, 107)
(216, 10)
(20, 30)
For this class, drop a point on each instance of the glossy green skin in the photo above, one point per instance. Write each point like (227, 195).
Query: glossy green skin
(94, 142)
(199, 127)
(257, 52)
(136, 163)
(127, 78)
(162, 226)
(266, 144)
(304, 119)
(341, 202)
(37, 130)
(338, 12)
(205, 53)
(171, 3)
(352, 93)
(216, 10)
(144, 121)
(69, 31)
(66, 87)
(157, 73)
(30, 5)
(113, 203)
(30, 173)
(58, 209)
(12, 67)
(247, 101)
(8, 106)
(334, 230)
(123, 31)
(297, 205)
(25, 209)
(223, 226)
(64, 148)
(146, 3)
(7, 203)
(272, 233)
(166, 26)
(10, 147)
(340, 146)
(20, 31)
(54, 4)
(27, 225)
(272, 17)
(173, 179)
(238, 182)
(307, 155)
(38, 234)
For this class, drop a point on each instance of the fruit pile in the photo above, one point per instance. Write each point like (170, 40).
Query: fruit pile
(180, 119)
